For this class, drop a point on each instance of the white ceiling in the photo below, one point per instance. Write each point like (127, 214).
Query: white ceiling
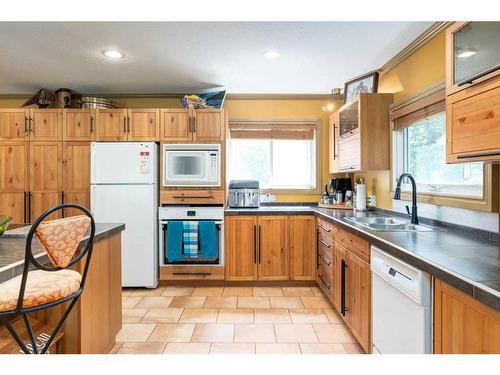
(175, 57)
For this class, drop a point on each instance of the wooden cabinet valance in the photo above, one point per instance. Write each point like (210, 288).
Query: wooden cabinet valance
(253, 130)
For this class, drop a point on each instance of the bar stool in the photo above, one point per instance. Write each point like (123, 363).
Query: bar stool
(48, 286)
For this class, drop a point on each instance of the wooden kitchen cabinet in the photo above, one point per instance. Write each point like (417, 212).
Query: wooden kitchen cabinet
(45, 124)
(143, 124)
(201, 125)
(333, 143)
(78, 124)
(302, 247)
(175, 125)
(14, 177)
(272, 248)
(76, 175)
(14, 124)
(463, 325)
(241, 248)
(208, 125)
(111, 125)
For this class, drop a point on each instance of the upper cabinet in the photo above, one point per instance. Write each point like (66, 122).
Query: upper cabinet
(78, 124)
(111, 124)
(473, 92)
(14, 124)
(143, 124)
(202, 125)
(127, 124)
(360, 132)
(45, 124)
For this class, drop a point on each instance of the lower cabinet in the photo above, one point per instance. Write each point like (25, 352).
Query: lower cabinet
(270, 248)
(463, 325)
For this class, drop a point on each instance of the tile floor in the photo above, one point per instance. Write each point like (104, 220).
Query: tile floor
(240, 320)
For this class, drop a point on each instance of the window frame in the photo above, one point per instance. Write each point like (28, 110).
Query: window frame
(317, 149)
(489, 200)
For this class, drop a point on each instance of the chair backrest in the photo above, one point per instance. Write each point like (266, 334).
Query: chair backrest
(30, 260)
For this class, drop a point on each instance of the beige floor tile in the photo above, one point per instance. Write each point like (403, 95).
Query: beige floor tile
(145, 292)
(334, 334)
(235, 316)
(272, 316)
(277, 348)
(213, 333)
(316, 303)
(142, 348)
(286, 303)
(322, 349)
(298, 333)
(127, 292)
(168, 315)
(174, 291)
(187, 348)
(267, 291)
(155, 302)
(254, 333)
(353, 349)
(135, 332)
(232, 348)
(133, 315)
(208, 291)
(301, 316)
(188, 302)
(297, 291)
(168, 332)
(115, 348)
(199, 316)
(333, 316)
(220, 302)
(253, 302)
(238, 291)
(317, 291)
(129, 302)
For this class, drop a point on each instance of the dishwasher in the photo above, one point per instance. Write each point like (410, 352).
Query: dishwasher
(401, 306)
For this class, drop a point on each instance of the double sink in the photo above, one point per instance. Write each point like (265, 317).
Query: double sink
(388, 224)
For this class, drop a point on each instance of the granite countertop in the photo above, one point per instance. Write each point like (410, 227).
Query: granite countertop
(469, 264)
(13, 247)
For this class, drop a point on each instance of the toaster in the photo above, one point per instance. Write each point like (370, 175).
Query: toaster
(244, 193)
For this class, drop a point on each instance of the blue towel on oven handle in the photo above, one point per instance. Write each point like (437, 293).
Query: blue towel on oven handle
(208, 239)
(173, 236)
(190, 238)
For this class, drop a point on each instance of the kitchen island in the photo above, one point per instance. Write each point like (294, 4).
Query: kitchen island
(92, 326)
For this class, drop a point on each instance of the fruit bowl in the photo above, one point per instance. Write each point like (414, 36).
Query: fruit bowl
(4, 223)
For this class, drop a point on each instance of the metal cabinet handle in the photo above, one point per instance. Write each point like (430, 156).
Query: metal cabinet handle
(325, 261)
(25, 207)
(317, 249)
(91, 124)
(124, 124)
(29, 206)
(346, 169)
(324, 282)
(193, 196)
(31, 122)
(478, 154)
(26, 129)
(258, 233)
(335, 156)
(324, 229)
(324, 243)
(128, 124)
(343, 307)
(194, 124)
(255, 244)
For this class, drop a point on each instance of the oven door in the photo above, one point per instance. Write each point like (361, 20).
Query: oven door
(201, 259)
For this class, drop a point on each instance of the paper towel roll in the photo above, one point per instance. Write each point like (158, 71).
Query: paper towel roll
(361, 197)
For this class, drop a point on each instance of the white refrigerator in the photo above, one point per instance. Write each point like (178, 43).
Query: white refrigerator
(124, 189)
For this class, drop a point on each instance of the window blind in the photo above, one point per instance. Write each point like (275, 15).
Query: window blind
(406, 115)
(247, 130)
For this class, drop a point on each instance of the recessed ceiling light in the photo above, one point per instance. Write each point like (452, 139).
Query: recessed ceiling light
(272, 55)
(466, 52)
(113, 54)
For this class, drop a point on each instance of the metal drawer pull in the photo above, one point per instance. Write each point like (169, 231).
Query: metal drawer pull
(479, 154)
(323, 281)
(194, 196)
(325, 261)
(326, 230)
(322, 242)
(191, 273)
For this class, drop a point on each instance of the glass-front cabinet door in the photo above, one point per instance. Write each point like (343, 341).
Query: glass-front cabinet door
(474, 51)
(348, 119)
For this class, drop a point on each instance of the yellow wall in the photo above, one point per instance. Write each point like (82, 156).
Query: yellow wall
(421, 70)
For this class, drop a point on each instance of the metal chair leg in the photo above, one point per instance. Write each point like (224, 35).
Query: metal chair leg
(30, 333)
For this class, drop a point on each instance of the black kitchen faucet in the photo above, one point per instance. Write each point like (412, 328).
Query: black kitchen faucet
(397, 195)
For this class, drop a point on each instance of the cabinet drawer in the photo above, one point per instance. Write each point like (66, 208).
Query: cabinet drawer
(325, 252)
(325, 231)
(324, 278)
(191, 272)
(474, 122)
(192, 196)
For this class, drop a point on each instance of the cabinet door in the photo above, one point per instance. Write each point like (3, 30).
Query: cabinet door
(45, 176)
(76, 175)
(78, 124)
(175, 125)
(462, 325)
(241, 251)
(143, 125)
(208, 125)
(13, 124)
(111, 124)
(333, 143)
(46, 124)
(14, 167)
(273, 248)
(302, 247)
(358, 299)
(81, 198)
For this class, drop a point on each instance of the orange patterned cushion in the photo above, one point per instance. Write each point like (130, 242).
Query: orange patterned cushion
(41, 287)
(60, 238)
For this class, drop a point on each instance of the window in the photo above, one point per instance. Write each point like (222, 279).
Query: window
(280, 156)
(420, 149)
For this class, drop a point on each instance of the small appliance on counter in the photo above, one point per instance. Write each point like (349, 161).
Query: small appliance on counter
(244, 194)
(341, 195)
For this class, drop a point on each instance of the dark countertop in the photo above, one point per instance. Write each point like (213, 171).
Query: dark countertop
(469, 264)
(13, 247)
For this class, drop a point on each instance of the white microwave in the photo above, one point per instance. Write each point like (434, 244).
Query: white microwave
(191, 165)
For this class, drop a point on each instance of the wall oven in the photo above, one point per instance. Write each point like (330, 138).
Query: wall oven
(191, 165)
(171, 219)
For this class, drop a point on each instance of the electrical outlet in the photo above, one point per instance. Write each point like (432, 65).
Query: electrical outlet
(372, 200)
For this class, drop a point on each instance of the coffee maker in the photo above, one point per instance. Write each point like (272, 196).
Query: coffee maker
(339, 187)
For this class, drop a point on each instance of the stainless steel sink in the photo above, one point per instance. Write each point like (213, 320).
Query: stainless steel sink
(389, 224)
